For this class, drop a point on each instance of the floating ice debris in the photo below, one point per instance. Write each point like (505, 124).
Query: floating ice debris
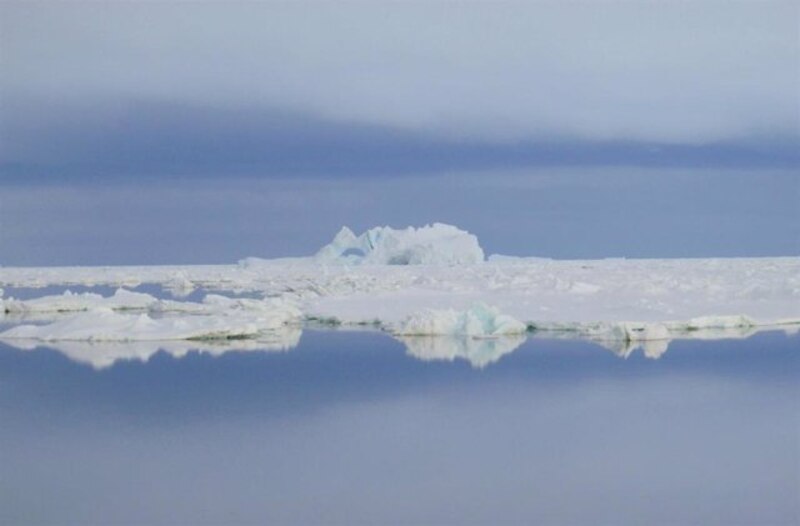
(428, 245)
(179, 285)
(224, 320)
(103, 324)
(479, 321)
(719, 322)
(71, 302)
(607, 299)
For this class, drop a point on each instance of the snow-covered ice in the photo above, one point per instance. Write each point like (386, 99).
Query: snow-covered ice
(546, 294)
(443, 287)
(71, 302)
(101, 319)
(478, 321)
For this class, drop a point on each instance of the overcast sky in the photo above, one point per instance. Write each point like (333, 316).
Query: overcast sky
(576, 130)
(186, 84)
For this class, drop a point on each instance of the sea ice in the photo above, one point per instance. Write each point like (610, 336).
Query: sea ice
(479, 321)
(454, 292)
(223, 320)
(70, 302)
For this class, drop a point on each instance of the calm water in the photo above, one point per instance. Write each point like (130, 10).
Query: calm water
(349, 428)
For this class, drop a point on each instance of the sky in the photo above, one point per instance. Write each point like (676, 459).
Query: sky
(125, 98)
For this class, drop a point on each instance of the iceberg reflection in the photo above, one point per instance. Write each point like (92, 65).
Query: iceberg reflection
(624, 343)
(103, 354)
(479, 352)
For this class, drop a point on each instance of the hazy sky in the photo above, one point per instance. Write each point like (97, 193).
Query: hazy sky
(550, 128)
(253, 84)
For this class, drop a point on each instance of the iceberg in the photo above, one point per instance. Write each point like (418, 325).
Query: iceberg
(436, 244)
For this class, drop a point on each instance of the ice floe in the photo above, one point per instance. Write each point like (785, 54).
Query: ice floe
(478, 321)
(217, 317)
(70, 302)
(103, 324)
(429, 281)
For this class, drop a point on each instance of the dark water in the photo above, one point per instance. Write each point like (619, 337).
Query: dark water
(349, 429)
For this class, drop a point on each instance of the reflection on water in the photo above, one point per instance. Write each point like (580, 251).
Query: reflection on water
(100, 355)
(479, 352)
(655, 348)
(350, 428)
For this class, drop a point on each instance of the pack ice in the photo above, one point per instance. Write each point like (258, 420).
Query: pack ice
(430, 286)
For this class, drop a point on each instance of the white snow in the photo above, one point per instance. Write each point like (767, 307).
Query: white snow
(70, 302)
(436, 244)
(101, 324)
(719, 322)
(444, 287)
(547, 294)
(215, 318)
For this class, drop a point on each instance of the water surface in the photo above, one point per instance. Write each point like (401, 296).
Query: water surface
(350, 428)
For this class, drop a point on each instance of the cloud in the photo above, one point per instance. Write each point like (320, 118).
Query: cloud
(688, 73)
(157, 138)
